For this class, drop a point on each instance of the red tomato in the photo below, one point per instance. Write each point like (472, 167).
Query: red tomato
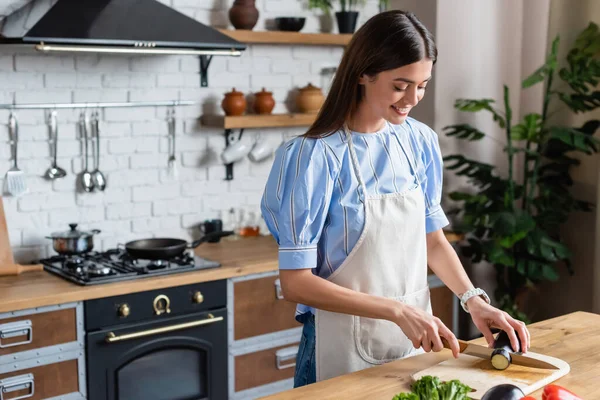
(555, 392)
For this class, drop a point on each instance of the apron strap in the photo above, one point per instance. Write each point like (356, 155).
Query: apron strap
(362, 192)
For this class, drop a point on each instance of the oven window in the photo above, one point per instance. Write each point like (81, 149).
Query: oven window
(168, 374)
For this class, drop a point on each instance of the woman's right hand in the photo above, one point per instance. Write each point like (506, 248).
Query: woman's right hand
(425, 330)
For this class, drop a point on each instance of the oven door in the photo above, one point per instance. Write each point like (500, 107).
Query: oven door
(176, 358)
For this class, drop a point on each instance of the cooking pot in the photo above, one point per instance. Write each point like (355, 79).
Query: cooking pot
(73, 241)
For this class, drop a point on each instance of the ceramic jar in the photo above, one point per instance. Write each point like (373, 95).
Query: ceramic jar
(243, 14)
(263, 102)
(234, 103)
(310, 99)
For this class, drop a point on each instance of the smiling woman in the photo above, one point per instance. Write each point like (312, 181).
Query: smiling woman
(355, 207)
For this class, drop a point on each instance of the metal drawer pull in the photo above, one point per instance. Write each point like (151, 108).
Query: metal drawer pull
(278, 291)
(15, 329)
(15, 384)
(287, 354)
(111, 337)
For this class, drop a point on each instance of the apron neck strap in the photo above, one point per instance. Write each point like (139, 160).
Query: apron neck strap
(362, 192)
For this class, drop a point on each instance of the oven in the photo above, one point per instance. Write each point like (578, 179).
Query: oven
(166, 344)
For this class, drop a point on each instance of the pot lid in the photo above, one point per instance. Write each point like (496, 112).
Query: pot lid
(263, 92)
(73, 233)
(310, 88)
(234, 93)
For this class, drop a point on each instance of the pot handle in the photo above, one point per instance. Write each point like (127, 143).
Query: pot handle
(208, 236)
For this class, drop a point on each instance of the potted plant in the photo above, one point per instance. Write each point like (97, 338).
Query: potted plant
(513, 222)
(347, 16)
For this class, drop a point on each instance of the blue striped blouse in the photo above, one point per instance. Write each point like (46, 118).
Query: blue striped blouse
(311, 203)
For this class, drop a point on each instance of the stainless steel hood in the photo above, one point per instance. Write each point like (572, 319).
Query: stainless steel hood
(114, 26)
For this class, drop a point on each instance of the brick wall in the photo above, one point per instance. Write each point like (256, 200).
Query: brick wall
(140, 199)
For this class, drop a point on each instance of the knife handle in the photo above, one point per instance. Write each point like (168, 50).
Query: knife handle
(461, 343)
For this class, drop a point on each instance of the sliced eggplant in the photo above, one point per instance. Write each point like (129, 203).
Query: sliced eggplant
(501, 358)
(504, 392)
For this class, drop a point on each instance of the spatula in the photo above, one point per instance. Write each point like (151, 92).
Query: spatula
(14, 183)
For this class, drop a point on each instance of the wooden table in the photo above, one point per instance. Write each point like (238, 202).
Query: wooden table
(572, 338)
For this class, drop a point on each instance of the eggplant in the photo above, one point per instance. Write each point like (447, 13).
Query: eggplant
(504, 392)
(501, 358)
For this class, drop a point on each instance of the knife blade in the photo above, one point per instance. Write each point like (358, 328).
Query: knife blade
(486, 353)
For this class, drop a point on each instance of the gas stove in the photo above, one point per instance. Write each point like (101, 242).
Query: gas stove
(116, 265)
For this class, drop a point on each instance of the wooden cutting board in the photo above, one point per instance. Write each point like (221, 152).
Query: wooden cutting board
(481, 376)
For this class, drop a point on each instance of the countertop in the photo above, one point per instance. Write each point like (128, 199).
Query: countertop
(571, 337)
(244, 256)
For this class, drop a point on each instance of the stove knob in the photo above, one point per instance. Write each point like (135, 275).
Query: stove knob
(124, 310)
(198, 297)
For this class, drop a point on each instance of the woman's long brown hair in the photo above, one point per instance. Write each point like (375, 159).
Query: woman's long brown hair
(388, 40)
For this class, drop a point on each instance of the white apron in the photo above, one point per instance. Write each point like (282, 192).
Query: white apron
(389, 260)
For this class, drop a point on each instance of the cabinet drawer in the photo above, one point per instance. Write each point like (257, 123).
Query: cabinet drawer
(258, 310)
(41, 382)
(442, 304)
(264, 367)
(34, 331)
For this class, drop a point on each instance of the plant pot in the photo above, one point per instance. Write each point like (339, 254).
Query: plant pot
(243, 14)
(346, 21)
(263, 102)
(234, 103)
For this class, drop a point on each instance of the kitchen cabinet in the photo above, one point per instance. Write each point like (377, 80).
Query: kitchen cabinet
(42, 353)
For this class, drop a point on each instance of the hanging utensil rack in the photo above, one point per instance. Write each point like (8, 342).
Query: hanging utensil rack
(39, 106)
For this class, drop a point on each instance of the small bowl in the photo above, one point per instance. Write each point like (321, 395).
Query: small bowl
(290, 24)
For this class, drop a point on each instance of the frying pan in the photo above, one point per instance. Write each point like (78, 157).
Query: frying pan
(166, 248)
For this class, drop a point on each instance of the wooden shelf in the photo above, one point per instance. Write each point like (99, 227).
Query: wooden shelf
(258, 121)
(281, 37)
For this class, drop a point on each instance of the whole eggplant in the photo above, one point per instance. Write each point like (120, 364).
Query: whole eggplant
(504, 392)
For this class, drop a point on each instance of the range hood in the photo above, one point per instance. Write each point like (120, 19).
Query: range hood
(114, 26)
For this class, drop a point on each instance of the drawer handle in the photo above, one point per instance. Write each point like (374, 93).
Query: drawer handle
(278, 291)
(15, 329)
(283, 356)
(15, 384)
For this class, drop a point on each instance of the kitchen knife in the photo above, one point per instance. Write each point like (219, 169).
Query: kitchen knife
(486, 353)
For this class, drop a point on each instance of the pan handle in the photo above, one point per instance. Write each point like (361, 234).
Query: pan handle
(208, 236)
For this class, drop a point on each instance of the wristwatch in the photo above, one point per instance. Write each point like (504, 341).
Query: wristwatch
(472, 293)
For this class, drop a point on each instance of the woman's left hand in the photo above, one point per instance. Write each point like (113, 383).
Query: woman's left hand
(486, 316)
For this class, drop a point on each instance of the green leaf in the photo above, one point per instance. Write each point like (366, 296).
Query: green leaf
(581, 102)
(576, 139)
(496, 254)
(478, 105)
(529, 129)
(545, 70)
(464, 131)
(549, 272)
(536, 77)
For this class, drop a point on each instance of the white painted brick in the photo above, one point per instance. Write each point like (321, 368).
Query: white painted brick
(284, 6)
(31, 202)
(7, 97)
(145, 225)
(223, 202)
(154, 95)
(37, 62)
(35, 202)
(170, 80)
(33, 167)
(83, 216)
(184, 175)
(111, 228)
(150, 128)
(128, 114)
(102, 63)
(100, 95)
(115, 81)
(25, 117)
(175, 206)
(142, 80)
(30, 221)
(29, 150)
(38, 184)
(7, 63)
(255, 184)
(15, 237)
(117, 195)
(192, 220)
(110, 163)
(133, 145)
(271, 50)
(290, 66)
(155, 64)
(72, 80)
(65, 184)
(135, 80)
(185, 143)
(245, 63)
(95, 198)
(315, 53)
(199, 189)
(144, 161)
(124, 211)
(191, 64)
(270, 81)
(216, 19)
(195, 159)
(44, 96)
(128, 178)
(317, 67)
(224, 79)
(27, 133)
(148, 193)
(32, 238)
(29, 254)
(168, 223)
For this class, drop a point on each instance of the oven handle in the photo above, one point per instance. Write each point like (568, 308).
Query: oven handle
(111, 337)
